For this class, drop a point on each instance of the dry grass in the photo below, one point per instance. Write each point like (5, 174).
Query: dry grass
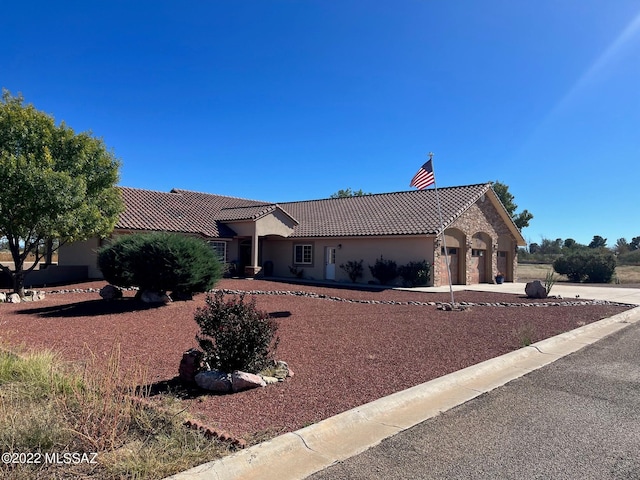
(626, 274)
(46, 407)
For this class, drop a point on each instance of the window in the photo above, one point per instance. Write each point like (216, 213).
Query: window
(450, 250)
(303, 254)
(220, 249)
(477, 253)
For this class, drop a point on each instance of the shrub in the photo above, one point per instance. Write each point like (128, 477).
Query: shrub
(595, 266)
(416, 273)
(354, 269)
(160, 262)
(384, 270)
(234, 335)
(629, 258)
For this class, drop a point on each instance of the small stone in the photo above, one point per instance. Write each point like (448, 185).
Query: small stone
(269, 380)
(3, 297)
(13, 298)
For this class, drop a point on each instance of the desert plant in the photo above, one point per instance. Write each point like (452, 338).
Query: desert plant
(549, 281)
(160, 262)
(296, 272)
(415, 273)
(354, 269)
(235, 335)
(384, 270)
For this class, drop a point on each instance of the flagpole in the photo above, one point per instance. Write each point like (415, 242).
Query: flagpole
(444, 237)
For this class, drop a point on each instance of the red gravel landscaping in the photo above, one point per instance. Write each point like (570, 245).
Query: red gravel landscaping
(343, 354)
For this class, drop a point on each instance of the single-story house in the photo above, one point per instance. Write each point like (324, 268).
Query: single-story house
(315, 237)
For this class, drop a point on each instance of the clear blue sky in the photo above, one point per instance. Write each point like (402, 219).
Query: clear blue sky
(281, 100)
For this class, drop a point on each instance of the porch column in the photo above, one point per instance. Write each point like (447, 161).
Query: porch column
(254, 269)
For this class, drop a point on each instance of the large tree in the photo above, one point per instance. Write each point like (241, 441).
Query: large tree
(520, 219)
(56, 185)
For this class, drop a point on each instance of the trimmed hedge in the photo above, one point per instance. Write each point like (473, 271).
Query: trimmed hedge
(160, 262)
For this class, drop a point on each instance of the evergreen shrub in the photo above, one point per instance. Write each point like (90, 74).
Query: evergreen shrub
(235, 335)
(384, 270)
(415, 274)
(160, 262)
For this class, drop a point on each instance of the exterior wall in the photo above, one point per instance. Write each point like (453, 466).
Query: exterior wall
(82, 253)
(481, 226)
(401, 250)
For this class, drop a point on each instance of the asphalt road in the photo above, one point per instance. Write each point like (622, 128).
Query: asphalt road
(578, 418)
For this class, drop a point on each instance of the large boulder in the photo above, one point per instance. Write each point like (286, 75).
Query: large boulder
(3, 297)
(214, 381)
(244, 381)
(110, 292)
(149, 296)
(190, 365)
(535, 289)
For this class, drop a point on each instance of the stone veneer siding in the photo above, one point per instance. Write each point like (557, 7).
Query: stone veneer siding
(481, 217)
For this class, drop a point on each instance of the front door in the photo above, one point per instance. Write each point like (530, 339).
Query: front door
(330, 263)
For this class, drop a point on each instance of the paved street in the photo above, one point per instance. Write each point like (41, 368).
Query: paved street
(578, 418)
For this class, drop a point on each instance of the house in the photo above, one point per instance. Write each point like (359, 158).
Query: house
(314, 237)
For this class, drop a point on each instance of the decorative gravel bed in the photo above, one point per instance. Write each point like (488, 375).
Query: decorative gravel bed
(346, 346)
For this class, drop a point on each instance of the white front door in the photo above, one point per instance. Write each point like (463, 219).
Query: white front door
(330, 263)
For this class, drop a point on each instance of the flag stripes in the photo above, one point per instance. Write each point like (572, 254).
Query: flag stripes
(423, 177)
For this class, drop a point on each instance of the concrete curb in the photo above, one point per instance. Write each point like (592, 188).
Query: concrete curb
(299, 454)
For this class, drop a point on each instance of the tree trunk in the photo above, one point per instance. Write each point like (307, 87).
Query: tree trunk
(18, 280)
(48, 259)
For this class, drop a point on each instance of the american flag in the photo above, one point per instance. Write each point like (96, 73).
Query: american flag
(424, 177)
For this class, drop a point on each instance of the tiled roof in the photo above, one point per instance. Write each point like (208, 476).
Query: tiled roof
(178, 211)
(402, 213)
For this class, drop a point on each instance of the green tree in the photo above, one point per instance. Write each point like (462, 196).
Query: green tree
(520, 219)
(348, 193)
(622, 246)
(634, 244)
(598, 242)
(56, 185)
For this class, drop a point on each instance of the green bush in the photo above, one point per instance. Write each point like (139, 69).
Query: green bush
(416, 274)
(629, 258)
(354, 269)
(160, 262)
(594, 266)
(234, 335)
(384, 270)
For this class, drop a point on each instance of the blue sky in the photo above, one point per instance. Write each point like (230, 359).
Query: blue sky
(292, 100)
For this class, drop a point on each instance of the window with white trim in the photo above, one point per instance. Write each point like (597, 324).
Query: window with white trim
(220, 249)
(303, 254)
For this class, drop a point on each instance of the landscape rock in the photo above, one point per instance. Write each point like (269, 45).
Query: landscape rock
(110, 292)
(214, 381)
(535, 289)
(149, 296)
(3, 297)
(244, 381)
(13, 298)
(269, 380)
(190, 365)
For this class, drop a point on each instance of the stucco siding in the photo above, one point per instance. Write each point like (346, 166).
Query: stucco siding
(400, 250)
(82, 253)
